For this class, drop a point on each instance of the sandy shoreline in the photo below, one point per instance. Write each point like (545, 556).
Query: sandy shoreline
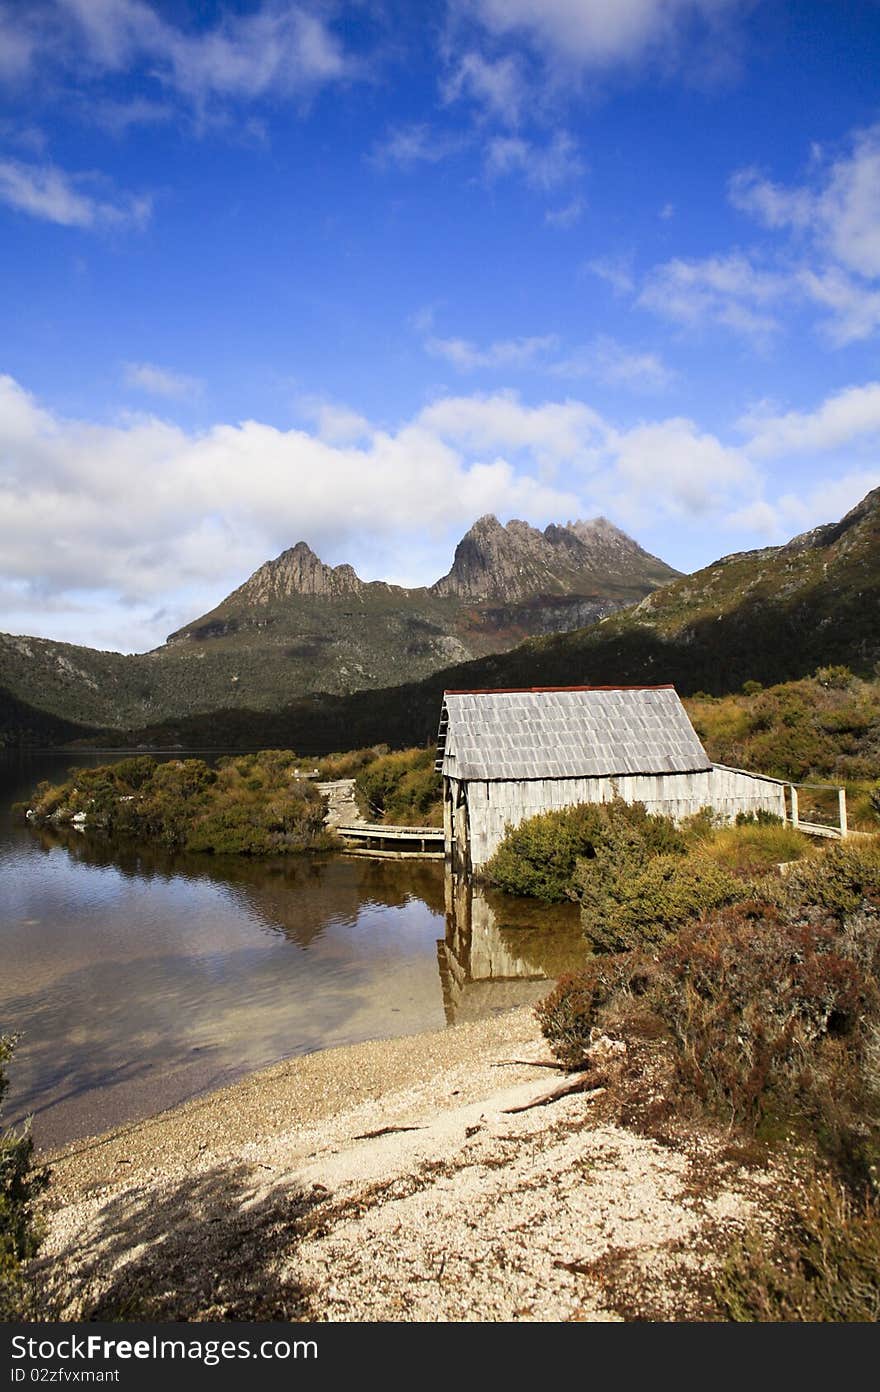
(392, 1180)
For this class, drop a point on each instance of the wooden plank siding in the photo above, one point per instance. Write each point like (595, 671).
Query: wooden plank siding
(481, 810)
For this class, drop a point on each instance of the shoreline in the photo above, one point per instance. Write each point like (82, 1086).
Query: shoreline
(425, 1177)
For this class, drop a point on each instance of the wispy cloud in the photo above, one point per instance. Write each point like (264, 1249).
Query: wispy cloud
(616, 271)
(565, 217)
(406, 147)
(497, 88)
(606, 360)
(727, 290)
(542, 166)
(603, 359)
(54, 195)
(839, 205)
(508, 352)
(277, 50)
(577, 35)
(160, 381)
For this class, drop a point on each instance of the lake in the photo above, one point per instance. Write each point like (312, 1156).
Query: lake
(138, 978)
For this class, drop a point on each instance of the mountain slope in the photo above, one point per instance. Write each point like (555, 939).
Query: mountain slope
(770, 615)
(298, 626)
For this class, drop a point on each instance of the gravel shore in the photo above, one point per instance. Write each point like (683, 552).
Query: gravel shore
(405, 1179)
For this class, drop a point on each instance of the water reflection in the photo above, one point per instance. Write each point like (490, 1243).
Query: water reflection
(500, 953)
(138, 977)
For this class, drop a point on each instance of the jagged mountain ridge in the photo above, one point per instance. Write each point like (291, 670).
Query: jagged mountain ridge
(771, 615)
(297, 625)
(508, 564)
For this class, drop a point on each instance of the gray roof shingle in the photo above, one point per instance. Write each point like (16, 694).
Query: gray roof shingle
(583, 732)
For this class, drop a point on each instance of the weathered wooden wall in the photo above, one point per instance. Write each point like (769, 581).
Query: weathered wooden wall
(494, 805)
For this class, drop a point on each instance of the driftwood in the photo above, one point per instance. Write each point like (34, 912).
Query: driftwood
(385, 1131)
(579, 1085)
(531, 1063)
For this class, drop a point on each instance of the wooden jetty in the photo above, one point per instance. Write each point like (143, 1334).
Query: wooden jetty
(394, 842)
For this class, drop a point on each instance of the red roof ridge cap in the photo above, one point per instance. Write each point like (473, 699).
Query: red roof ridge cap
(534, 690)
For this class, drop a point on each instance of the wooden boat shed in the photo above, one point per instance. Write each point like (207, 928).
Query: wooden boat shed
(509, 755)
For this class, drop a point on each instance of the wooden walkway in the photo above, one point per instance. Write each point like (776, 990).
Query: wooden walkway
(399, 842)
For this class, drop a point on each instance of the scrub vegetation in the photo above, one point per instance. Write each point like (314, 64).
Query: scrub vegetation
(20, 1186)
(249, 804)
(766, 1006)
(263, 804)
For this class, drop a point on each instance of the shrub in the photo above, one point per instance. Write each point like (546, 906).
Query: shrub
(761, 817)
(571, 1012)
(824, 1266)
(626, 905)
(839, 881)
(20, 1187)
(250, 804)
(768, 1017)
(836, 678)
(773, 1014)
(539, 857)
(403, 787)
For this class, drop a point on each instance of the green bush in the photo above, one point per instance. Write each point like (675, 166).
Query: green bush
(759, 818)
(839, 881)
(20, 1187)
(402, 788)
(626, 905)
(250, 804)
(539, 857)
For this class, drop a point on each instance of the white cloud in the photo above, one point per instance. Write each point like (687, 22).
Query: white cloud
(47, 192)
(727, 290)
(498, 87)
(598, 33)
(672, 466)
(611, 362)
(841, 419)
(508, 352)
(839, 206)
(822, 502)
(542, 166)
(616, 271)
(139, 510)
(855, 308)
(555, 432)
(337, 424)
(160, 381)
(151, 524)
(405, 147)
(277, 50)
(566, 216)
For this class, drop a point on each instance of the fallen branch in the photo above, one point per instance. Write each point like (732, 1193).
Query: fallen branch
(580, 1085)
(386, 1131)
(532, 1063)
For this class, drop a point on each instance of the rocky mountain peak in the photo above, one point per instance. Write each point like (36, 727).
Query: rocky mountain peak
(496, 562)
(515, 561)
(298, 571)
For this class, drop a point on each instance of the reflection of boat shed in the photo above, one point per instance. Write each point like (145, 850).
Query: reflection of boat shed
(509, 755)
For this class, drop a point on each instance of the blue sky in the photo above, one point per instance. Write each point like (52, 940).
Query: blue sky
(359, 272)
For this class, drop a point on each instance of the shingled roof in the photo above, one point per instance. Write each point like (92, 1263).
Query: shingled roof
(567, 732)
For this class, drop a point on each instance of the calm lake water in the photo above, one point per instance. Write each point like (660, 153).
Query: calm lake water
(138, 978)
